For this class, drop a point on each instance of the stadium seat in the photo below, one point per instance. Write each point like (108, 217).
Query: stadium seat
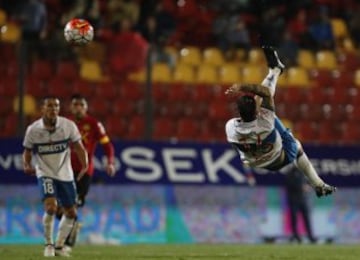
(294, 96)
(201, 93)
(171, 50)
(219, 111)
(84, 88)
(187, 129)
(116, 128)
(229, 74)
(138, 76)
(321, 78)
(106, 90)
(131, 91)
(349, 61)
(306, 131)
(122, 108)
(357, 78)
(9, 86)
(328, 132)
(42, 69)
(256, 57)
(326, 60)
(207, 74)
(10, 32)
(136, 129)
(99, 108)
(160, 91)
(178, 92)
(35, 87)
(10, 125)
(190, 56)
(161, 73)
(91, 71)
(252, 75)
(67, 70)
(339, 28)
(306, 59)
(184, 73)
(298, 77)
(29, 105)
(339, 96)
(3, 17)
(350, 133)
(316, 95)
(94, 51)
(5, 106)
(58, 88)
(213, 56)
(164, 128)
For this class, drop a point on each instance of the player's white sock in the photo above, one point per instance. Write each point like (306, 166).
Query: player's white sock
(48, 223)
(65, 227)
(271, 79)
(304, 165)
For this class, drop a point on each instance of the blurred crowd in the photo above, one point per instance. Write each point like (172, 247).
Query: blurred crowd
(228, 24)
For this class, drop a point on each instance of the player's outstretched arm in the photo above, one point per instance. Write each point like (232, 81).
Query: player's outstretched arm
(259, 90)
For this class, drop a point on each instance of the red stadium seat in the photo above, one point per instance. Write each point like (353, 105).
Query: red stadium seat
(123, 108)
(339, 96)
(323, 78)
(8, 86)
(178, 92)
(84, 88)
(106, 90)
(35, 87)
(310, 111)
(42, 69)
(343, 79)
(201, 93)
(131, 91)
(136, 130)
(5, 106)
(306, 131)
(99, 108)
(160, 92)
(294, 96)
(316, 95)
(187, 129)
(350, 133)
(328, 132)
(67, 70)
(116, 128)
(164, 128)
(59, 88)
(219, 111)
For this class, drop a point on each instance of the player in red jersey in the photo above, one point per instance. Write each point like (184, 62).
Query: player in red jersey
(92, 133)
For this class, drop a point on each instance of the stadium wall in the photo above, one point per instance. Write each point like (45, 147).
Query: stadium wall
(184, 193)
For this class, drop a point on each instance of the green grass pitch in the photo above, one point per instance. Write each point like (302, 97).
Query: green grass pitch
(191, 252)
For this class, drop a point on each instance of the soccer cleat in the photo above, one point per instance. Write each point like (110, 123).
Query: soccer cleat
(324, 190)
(272, 58)
(60, 251)
(49, 250)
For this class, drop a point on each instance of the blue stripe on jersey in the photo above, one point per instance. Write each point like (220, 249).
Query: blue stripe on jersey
(51, 148)
(270, 138)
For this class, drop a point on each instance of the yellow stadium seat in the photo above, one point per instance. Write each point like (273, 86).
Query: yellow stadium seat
(3, 17)
(229, 74)
(29, 105)
(91, 71)
(10, 33)
(184, 73)
(161, 73)
(138, 76)
(282, 80)
(213, 56)
(326, 60)
(256, 56)
(252, 74)
(298, 77)
(95, 51)
(207, 74)
(306, 59)
(357, 78)
(339, 28)
(190, 56)
(348, 44)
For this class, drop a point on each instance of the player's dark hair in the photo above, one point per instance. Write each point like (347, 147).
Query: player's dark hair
(246, 106)
(44, 99)
(78, 97)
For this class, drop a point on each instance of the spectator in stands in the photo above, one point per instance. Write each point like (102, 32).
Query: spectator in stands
(354, 26)
(89, 10)
(321, 30)
(127, 50)
(296, 187)
(288, 50)
(119, 10)
(271, 26)
(33, 18)
(299, 30)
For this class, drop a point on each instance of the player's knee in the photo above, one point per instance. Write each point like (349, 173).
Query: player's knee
(50, 205)
(71, 213)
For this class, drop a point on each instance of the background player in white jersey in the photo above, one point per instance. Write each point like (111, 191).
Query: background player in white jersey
(48, 140)
(260, 137)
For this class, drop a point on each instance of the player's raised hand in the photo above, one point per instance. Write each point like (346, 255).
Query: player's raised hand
(234, 89)
(110, 170)
(28, 169)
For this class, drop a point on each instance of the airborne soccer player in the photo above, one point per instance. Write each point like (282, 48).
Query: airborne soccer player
(48, 140)
(260, 137)
(92, 133)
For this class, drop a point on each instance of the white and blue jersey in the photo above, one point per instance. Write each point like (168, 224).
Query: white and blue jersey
(261, 142)
(51, 149)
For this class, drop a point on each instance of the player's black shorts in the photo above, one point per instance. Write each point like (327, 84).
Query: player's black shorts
(82, 188)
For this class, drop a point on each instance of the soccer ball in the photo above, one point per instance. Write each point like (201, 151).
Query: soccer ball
(78, 32)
